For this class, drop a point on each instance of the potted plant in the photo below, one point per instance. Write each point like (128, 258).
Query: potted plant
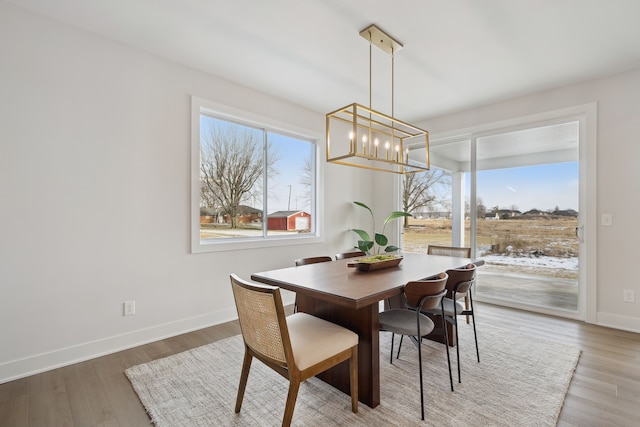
(365, 244)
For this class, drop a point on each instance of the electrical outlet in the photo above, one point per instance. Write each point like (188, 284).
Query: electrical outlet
(629, 296)
(129, 308)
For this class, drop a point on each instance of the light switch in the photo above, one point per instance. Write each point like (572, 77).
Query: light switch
(607, 220)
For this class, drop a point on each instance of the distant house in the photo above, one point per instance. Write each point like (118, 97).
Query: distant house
(508, 213)
(246, 214)
(502, 214)
(566, 212)
(207, 215)
(534, 212)
(431, 214)
(289, 221)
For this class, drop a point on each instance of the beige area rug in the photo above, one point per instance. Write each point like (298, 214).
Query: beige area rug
(521, 381)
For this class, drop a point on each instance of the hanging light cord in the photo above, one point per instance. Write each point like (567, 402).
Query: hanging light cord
(392, 81)
(370, 72)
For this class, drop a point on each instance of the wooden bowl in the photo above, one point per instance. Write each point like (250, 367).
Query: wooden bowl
(359, 265)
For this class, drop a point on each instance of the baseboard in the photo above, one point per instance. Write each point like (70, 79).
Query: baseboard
(31, 365)
(631, 324)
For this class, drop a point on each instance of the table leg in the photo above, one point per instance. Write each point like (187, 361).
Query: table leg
(451, 331)
(365, 323)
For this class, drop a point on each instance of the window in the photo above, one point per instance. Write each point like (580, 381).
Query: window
(253, 181)
(427, 196)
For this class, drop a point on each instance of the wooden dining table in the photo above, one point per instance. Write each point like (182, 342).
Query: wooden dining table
(349, 297)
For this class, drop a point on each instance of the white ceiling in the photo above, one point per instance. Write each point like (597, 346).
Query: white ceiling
(457, 54)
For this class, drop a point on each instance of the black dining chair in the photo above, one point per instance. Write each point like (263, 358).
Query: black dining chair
(462, 252)
(419, 295)
(345, 255)
(312, 260)
(460, 281)
(305, 261)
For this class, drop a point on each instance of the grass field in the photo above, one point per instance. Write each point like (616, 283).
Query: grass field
(525, 238)
(546, 236)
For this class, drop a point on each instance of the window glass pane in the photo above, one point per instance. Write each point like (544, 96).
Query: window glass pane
(231, 179)
(527, 234)
(289, 178)
(427, 196)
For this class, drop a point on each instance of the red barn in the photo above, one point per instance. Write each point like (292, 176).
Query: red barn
(289, 221)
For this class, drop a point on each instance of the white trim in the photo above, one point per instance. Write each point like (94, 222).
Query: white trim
(615, 321)
(567, 314)
(31, 365)
(457, 205)
(588, 259)
(199, 105)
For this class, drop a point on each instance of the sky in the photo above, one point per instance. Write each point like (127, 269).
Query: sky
(542, 187)
(290, 167)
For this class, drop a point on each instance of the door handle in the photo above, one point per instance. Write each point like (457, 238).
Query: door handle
(579, 233)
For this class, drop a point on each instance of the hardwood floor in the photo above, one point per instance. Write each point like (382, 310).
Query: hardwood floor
(605, 390)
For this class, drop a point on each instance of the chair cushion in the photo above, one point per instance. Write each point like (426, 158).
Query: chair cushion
(314, 340)
(448, 308)
(403, 321)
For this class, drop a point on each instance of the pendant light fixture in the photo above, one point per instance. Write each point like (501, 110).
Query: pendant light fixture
(362, 137)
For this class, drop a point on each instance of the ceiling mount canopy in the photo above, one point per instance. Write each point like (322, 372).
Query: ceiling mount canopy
(362, 137)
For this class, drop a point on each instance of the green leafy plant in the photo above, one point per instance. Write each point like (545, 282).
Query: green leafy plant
(366, 244)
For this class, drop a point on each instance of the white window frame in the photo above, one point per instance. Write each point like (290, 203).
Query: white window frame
(224, 112)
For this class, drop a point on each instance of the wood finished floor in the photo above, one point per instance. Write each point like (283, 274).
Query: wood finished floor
(605, 390)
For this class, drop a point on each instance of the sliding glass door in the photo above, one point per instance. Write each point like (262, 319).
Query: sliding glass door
(515, 197)
(529, 204)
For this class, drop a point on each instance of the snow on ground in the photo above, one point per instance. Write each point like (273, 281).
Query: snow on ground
(532, 261)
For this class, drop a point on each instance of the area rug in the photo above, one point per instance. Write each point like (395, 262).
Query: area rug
(521, 381)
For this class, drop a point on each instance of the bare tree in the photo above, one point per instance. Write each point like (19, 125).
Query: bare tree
(419, 190)
(305, 181)
(481, 209)
(231, 167)
(206, 197)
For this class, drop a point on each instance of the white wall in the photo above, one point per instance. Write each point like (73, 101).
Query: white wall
(94, 190)
(617, 174)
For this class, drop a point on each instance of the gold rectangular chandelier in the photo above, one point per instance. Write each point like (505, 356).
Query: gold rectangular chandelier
(362, 137)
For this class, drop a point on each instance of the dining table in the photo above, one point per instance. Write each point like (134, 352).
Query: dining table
(349, 297)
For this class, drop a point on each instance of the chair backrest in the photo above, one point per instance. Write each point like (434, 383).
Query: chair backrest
(353, 254)
(262, 320)
(449, 251)
(427, 293)
(461, 279)
(312, 260)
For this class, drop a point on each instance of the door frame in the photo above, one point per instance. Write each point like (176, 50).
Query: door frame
(586, 115)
